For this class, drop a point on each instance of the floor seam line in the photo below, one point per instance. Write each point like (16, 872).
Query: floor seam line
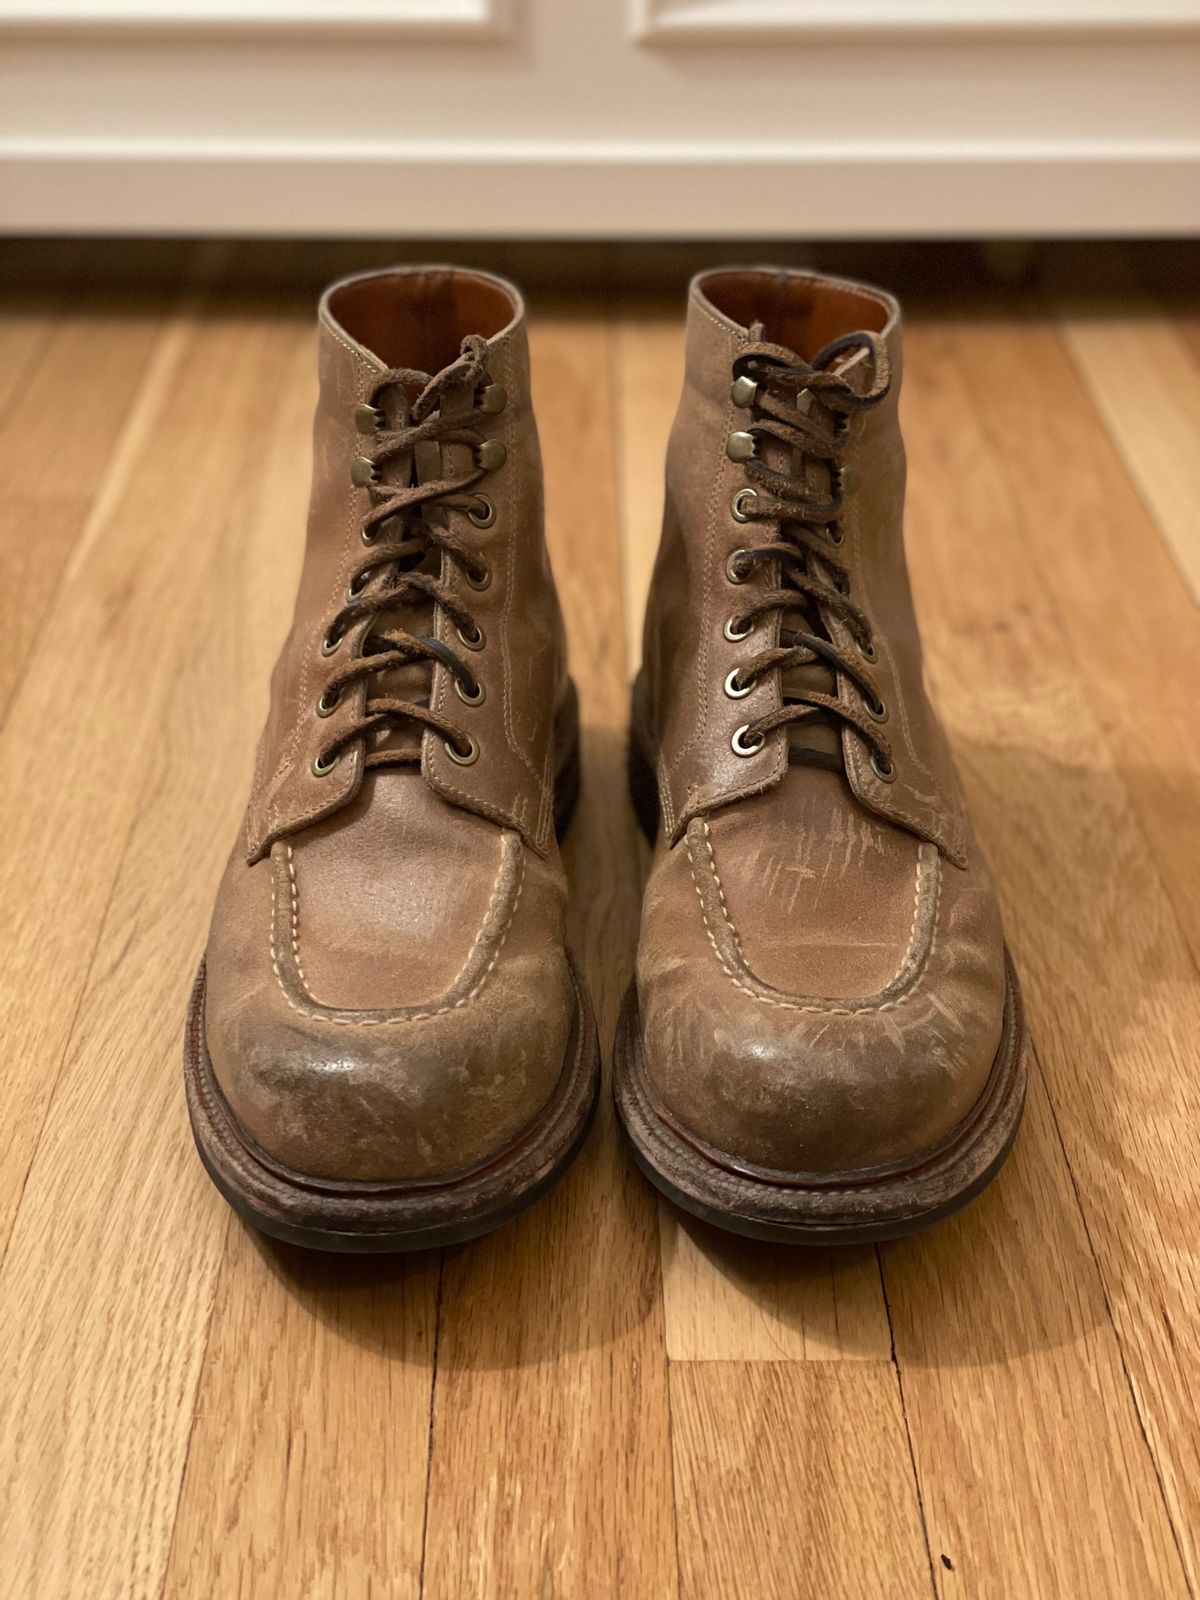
(433, 1384)
(912, 1451)
(1116, 1331)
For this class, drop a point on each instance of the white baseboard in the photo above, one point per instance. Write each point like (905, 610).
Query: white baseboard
(540, 190)
(601, 118)
(705, 21)
(276, 19)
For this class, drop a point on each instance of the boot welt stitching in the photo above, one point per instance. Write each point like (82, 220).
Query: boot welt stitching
(874, 1003)
(319, 1013)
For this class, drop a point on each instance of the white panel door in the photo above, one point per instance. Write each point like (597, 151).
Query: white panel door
(601, 118)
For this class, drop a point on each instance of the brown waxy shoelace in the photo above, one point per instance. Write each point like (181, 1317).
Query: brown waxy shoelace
(405, 526)
(780, 389)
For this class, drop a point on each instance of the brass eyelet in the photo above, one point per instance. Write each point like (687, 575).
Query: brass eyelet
(472, 642)
(877, 713)
(736, 634)
(734, 571)
(369, 535)
(331, 642)
(463, 758)
(866, 649)
(489, 455)
(368, 419)
(743, 393)
(885, 774)
(362, 472)
(480, 580)
(475, 699)
(849, 479)
(328, 703)
(737, 504)
(323, 765)
(484, 518)
(835, 533)
(492, 399)
(741, 746)
(357, 584)
(741, 446)
(736, 690)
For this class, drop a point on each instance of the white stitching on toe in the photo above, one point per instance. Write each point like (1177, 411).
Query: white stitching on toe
(322, 1013)
(900, 989)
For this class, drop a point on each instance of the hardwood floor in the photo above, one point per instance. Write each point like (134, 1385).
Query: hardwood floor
(601, 1399)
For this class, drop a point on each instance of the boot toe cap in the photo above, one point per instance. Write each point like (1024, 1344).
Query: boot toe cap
(413, 1098)
(421, 1092)
(783, 1084)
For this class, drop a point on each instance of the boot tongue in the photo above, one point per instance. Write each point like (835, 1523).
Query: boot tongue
(414, 680)
(813, 737)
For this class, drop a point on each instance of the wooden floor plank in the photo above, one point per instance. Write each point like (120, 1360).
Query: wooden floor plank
(730, 1299)
(793, 1478)
(26, 328)
(76, 385)
(87, 725)
(1136, 639)
(1098, 945)
(551, 1470)
(1017, 1400)
(1187, 329)
(85, 768)
(1131, 625)
(307, 1465)
(1146, 385)
(103, 1331)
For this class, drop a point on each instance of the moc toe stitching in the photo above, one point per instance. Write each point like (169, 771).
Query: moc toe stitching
(412, 1094)
(829, 1086)
(466, 986)
(915, 964)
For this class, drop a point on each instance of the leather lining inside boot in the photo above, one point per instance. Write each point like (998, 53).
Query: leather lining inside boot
(419, 319)
(803, 314)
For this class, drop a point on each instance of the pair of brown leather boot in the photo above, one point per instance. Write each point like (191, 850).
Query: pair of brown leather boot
(389, 1045)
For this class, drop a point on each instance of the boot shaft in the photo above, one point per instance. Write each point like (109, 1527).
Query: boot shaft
(695, 634)
(369, 327)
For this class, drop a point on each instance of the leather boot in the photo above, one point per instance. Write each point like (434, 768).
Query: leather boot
(825, 1039)
(389, 1045)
